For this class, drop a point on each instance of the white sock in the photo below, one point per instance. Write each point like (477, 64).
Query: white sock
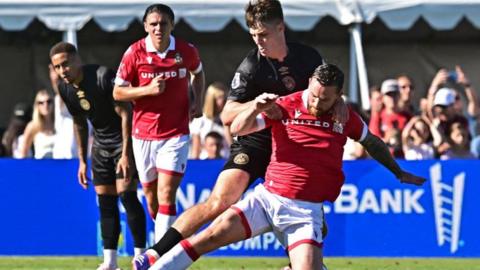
(138, 251)
(162, 223)
(110, 257)
(175, 259)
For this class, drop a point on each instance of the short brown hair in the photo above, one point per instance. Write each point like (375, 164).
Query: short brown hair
(329, 75)
(63, 47)
(263, 11)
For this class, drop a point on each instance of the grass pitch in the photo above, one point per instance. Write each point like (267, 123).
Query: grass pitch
(227, 263)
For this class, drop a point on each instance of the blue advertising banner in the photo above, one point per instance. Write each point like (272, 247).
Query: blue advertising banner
(45, 212)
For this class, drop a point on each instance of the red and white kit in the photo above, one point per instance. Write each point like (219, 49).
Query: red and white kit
(159, 119)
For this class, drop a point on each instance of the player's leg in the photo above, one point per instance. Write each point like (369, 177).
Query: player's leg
(244, 220)
(171, 161)
(127, 191)
(104, 183)
(144, 153)
(238, 172)
(306, 256)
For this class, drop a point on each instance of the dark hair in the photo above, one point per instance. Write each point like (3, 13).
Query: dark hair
(263, 11)
(22, 114)
(63, 47)
(159, 8)
(329, 75)
(217, 136)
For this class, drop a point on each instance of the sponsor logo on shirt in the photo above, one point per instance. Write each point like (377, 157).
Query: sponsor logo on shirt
(304, 122)
(166, 74)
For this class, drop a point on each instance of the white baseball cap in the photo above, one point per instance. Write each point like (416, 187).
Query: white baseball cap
(389, 86)
(444, 97)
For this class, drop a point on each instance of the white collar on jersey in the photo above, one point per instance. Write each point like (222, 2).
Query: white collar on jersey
(305, 98)
(150, 48)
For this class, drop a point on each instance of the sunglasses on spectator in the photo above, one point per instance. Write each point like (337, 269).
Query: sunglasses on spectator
(407, 86)
(41, 102)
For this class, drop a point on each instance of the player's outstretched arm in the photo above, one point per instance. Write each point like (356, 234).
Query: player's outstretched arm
(379, 151)
(246, 121)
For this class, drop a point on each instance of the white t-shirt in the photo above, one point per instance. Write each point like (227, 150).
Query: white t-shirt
(202, 126)
(65, 146)
(419, 152)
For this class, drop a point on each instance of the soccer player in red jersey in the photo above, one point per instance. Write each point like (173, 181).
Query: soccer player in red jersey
(155, 73)
(304, 171)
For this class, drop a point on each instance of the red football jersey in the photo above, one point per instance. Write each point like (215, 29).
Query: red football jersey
(307, 151)
(166, 115)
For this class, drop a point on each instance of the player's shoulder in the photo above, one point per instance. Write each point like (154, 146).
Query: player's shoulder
(291, 100)
(138, 46)
(183, 45)
(302, 50)
(250, 63)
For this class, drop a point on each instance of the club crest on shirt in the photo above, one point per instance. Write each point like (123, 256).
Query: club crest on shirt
(236, 80)
(338, 127)
(297, 113)
(84, 104)
(283, 70)
(178, 59)
(289, 83)
(241, 159)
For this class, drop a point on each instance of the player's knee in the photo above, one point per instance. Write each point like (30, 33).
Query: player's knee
(130, 200)
(107, 204)
(217, 205)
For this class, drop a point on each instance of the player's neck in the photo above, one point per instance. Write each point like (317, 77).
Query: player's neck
(282, 52)
(162, 46)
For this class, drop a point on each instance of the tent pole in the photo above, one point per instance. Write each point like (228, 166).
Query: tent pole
(70, 36)
(353, 83)
(356, 36)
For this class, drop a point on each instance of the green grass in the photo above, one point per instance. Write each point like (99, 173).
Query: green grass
(219, 263)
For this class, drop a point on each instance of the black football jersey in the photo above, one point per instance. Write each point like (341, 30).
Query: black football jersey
(258, 74)
(94, 100)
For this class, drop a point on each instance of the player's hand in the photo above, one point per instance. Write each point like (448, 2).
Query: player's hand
(409, 178)
(157, 86)
(265, 102)
(340, 112)
(82, 175)
(123, 168)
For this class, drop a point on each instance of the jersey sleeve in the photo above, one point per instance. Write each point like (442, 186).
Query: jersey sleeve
(193, 63)
(127, 68)
(282, 103)
(356, 128)
(105, 80)
(242, 88)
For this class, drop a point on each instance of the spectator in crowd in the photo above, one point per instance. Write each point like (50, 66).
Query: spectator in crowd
(214, 101)
(213, 145)
(388, 123)
(155, 74)
(417, 139)
(406, 87)
(354, 150)
(65, 146)
(13, 135)
(376, 104)
(458, 138)
(40, 131)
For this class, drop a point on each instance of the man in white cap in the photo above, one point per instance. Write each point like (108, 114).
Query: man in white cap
(388, 123)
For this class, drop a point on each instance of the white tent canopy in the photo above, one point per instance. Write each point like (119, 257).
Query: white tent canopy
(213, 15)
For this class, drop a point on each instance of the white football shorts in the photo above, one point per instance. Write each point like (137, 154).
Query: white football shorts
(294, 222)
(160, 156)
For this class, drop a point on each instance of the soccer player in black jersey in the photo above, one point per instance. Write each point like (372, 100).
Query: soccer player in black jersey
(275, 66)
(87, 93)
